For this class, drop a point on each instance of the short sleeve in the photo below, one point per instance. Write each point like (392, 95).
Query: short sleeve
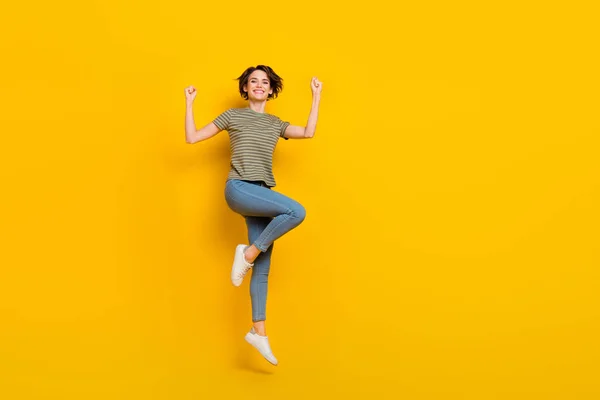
(282, 128)
(222, 121)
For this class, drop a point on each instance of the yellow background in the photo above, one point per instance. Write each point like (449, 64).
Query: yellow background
(450, 249)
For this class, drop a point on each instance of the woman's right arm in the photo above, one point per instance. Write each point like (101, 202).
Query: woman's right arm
(191, 134)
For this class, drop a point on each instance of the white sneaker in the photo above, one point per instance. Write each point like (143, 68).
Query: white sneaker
(261, 343)
(240, 266)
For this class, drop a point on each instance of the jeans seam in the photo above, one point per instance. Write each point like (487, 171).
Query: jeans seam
(287, 215)
(260, 305)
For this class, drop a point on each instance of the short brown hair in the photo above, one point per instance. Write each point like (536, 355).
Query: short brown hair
(275, 81)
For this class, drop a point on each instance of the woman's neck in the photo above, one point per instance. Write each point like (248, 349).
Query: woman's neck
(258, 106)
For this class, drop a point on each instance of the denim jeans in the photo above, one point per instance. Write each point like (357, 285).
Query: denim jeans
(269, 215)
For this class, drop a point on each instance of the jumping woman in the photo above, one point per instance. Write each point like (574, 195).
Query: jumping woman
(253, 135)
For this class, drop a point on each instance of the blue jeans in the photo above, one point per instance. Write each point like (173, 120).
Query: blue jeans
(269, 215)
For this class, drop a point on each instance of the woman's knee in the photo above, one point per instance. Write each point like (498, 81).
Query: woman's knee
(299, 212)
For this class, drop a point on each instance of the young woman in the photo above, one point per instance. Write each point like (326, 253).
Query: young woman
(253, 135)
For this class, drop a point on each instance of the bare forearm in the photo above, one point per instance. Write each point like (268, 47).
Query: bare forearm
(190, 125)
(311, 124)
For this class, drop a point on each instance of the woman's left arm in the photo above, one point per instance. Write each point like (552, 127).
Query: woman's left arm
(307, 132)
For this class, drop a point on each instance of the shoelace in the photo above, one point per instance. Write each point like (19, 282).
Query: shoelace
(243, 272)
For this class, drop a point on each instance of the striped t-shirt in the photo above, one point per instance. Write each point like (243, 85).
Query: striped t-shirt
(253, 137)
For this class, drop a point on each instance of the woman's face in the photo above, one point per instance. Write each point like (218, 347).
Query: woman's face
(258, 86)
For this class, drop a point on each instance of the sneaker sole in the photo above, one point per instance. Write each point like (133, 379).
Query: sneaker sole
(252, 344)
(233, 282)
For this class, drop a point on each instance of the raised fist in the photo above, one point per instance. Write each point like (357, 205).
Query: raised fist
(190, 94)
(316, 85)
